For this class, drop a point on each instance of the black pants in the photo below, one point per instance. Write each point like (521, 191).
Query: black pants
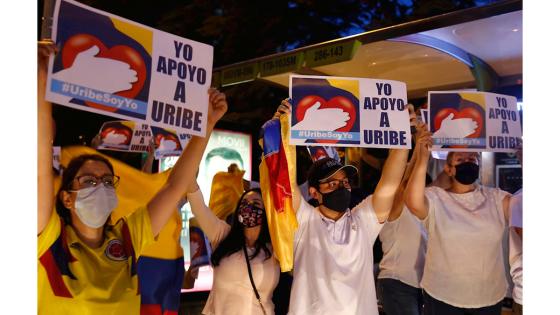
(399, 298)
(436, 307)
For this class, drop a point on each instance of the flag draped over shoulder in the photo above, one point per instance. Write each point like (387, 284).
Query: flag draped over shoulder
(161, 265)
(278, 158)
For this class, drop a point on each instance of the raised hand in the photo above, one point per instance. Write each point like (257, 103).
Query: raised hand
(423, 138)
(98, 73)
(456, 128)
(44, 49)
(217, 106)
(323, 119)
(284, 108)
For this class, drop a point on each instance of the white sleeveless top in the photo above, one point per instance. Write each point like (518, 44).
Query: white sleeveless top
(232, 293)
(404, 249)
(464, 261)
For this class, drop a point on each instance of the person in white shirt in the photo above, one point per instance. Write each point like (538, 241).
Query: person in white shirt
(516, 245)
(246, 240)
(516, 250)
(403, 240)
(463, 272)
(333, 245)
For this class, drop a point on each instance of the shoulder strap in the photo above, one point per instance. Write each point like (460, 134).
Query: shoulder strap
(251, 278)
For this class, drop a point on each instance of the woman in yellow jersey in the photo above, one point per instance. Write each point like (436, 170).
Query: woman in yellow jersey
(85, 265)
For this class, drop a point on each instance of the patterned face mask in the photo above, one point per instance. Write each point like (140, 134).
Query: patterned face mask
(249, 214)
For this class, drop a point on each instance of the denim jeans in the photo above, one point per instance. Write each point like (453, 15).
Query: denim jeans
(437, 307)
(399, 298)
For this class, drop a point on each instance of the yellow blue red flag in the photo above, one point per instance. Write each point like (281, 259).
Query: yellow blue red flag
(276, 189)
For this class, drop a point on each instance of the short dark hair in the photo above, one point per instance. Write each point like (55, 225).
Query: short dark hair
(450, 154)
(68, 176)
(226, 153)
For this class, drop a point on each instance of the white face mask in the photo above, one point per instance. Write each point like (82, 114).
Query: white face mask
(95, 204)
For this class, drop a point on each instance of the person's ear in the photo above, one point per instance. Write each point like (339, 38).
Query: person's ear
(67, 199)
(448, 169)
(314, 193)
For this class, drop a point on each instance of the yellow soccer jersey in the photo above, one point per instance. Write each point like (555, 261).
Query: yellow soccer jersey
(76, 279)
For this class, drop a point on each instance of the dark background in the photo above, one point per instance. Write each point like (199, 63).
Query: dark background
(240, 30)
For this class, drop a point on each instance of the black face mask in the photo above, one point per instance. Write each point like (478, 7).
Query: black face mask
(466, 173)
(338, 200)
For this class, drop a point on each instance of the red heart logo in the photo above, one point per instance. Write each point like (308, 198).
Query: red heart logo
(122, 131)
(335, 102)
(160, 137)
(467, 112)
(81, 42)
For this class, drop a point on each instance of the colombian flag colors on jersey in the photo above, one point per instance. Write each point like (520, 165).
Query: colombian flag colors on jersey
(76, 279)
(160, 266)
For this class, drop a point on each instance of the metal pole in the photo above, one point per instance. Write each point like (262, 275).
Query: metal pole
(47, 19)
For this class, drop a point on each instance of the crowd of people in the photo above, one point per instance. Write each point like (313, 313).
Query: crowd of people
(442, 242)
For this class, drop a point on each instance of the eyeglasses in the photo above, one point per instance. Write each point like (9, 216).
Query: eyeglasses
(336, 183)
(87, 181)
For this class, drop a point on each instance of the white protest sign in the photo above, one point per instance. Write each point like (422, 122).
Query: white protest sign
(321, 152)
(124, 136)
(56, 158)
(349, 112)
(168, 142)
(113, 66)
(474, 121)
(424, 115)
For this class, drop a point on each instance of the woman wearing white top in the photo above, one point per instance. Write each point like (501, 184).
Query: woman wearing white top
(232, 291)
(403, 240)
(463, 272)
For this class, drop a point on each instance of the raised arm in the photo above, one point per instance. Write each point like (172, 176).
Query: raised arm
(414, 192)
(386, 189)
(45, 136)
(164, 203)
(214, 228)
(398, 204)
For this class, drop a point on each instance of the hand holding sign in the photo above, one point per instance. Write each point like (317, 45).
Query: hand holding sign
(456, 128)
(423, 138)
(324, 119)
(103, 74)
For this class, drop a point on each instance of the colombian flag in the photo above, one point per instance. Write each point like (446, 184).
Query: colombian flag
(277, 163)
(161, 266)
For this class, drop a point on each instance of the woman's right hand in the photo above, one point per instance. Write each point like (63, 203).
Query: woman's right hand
(45, 48)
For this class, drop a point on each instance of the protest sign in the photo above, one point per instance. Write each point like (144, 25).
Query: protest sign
(424, 115)
(321, 152)
(113, 66)
(124, 136)
(56, 158)
(199, 247)
(349, 112)
(474, 121)
(168, 142)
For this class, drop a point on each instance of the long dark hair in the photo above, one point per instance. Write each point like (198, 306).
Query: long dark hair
(67, 178)
(235, 240)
